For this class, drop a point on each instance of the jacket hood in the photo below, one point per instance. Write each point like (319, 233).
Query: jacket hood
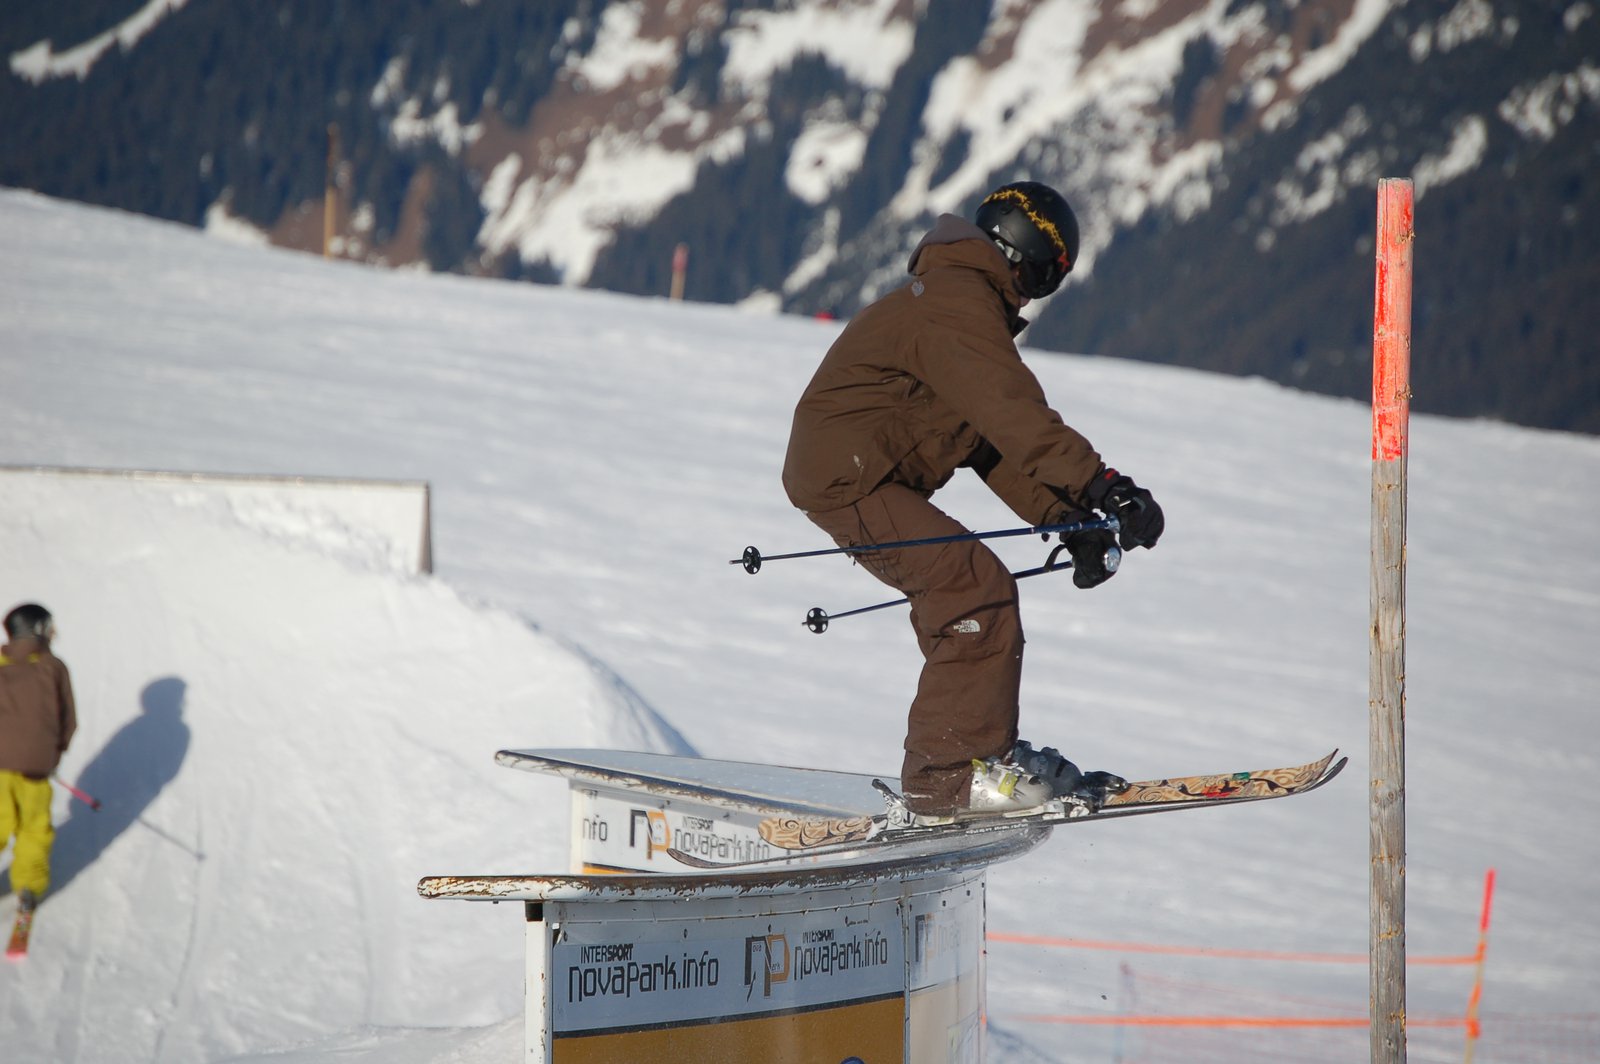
(959, 242)
(954, 229)
(954, 241)
(18, 649)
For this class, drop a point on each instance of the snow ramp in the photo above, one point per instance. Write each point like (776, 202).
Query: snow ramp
(287, 726)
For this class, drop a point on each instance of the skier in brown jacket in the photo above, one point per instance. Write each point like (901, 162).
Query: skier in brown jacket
(923, 382)
(37, 719)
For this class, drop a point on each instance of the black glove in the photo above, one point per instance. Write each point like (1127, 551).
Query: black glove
(1139, 514)
(1094, 550)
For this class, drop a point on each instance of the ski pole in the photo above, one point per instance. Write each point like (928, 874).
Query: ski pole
(752, 558)
(87, 799)
(817, 618)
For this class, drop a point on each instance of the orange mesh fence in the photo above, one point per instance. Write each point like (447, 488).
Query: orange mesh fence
(1212, 951)
(1338, 1030)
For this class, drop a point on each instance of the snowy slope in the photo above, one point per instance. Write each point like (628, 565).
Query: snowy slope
(288, 733)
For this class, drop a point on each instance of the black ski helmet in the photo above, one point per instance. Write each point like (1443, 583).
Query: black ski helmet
(29, 620)
(1037, 232)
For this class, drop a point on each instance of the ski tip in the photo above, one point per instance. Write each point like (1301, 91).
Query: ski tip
(692, 861)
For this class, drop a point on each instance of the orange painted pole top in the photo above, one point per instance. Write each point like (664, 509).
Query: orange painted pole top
(1391, 325)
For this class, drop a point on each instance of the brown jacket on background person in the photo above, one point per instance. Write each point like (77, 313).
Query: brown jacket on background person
(37, 714)
(928, 380)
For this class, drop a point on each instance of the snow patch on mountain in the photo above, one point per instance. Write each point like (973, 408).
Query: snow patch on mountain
(1538, 110)
(415, 120)
(1322, 63)
(41, 62)
(1024, 80)
(865, 40)
(443, 127)
(1324, 170)
(1184, 181)
(620, 53)
(566, 221)
(1044, 90)
(1468, 143)
(1467, 21)
(824, 156)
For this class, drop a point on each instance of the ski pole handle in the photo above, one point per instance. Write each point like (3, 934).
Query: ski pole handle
(87, 799)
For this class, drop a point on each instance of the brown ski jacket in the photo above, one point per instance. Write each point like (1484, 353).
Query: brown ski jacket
(37, 715)
(927, 380)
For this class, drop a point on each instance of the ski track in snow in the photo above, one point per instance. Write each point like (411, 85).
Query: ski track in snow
(595, 461)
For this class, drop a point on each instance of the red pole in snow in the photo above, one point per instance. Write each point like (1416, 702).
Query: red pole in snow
(1391, 415)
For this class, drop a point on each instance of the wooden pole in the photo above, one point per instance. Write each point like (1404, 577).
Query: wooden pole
(330, 192)
(680, 269)
(1391, 414)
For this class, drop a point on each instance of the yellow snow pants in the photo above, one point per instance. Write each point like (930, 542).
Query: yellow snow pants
(25, 814)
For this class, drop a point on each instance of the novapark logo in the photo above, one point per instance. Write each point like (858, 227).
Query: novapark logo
(657, 833)
(766, 959)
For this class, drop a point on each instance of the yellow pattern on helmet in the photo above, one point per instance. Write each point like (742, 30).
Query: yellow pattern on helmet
(1009, 194)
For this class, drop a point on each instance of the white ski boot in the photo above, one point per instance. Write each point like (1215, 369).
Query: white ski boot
(999, 789)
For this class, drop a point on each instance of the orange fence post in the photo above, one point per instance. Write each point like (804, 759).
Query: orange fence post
(1476, 997)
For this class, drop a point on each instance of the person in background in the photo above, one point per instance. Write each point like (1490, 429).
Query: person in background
(37, 719)
(922, 382)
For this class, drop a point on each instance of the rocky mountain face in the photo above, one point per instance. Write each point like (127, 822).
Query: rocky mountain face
(1222, 156)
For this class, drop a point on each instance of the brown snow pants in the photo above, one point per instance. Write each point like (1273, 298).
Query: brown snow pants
(964, 613)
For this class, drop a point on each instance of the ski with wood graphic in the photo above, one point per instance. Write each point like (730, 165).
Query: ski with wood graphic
(820, 834)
